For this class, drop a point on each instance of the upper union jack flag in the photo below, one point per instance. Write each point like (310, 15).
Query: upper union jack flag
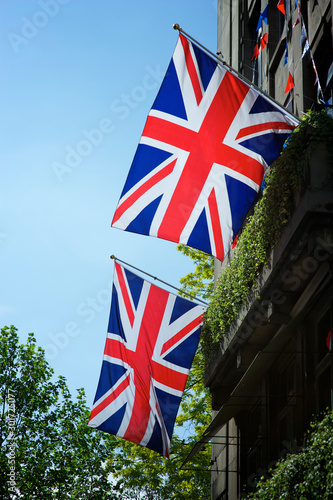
(202, 155)
(151, 341)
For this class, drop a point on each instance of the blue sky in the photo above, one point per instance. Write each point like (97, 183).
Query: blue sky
(78, 79)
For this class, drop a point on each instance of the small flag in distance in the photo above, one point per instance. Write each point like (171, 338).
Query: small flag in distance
(290, 83)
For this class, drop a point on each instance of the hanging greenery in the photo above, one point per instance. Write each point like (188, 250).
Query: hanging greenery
(264, 227)
(306, 475)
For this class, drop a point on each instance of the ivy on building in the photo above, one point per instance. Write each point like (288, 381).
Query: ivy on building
(285, 179)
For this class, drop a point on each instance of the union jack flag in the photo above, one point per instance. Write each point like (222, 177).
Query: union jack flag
(151, 341)
(201, 159)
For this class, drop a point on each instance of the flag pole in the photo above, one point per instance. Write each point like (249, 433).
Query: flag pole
(158, 279)
(235, 72)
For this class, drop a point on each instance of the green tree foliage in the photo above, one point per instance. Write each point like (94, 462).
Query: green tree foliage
(306, 475)
(52, 454)
(46, 449)
(144, 474)
(200, 282)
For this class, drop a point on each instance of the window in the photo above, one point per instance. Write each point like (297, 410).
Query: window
(287, 402)
(323, 60)
(287, 384)
(324, 362)
(323, 332)
(254, 444)
(324, 390)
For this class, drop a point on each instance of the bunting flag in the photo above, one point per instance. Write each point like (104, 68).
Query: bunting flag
(263, 17)
(315, 70)
(303, 34)
(306, 48)
(298, 20)
(255, 52)
(286, 55)
(204, 149)
(151, 341)
(290, 83)
(259, 23)
(289, 107)
(280, 6)
(259, 46)
(263, 41)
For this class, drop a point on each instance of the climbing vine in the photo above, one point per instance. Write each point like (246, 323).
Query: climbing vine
(306, 475)
(263, 228)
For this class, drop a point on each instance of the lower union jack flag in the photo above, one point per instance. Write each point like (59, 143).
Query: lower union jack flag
(201, 159)
(151, 342)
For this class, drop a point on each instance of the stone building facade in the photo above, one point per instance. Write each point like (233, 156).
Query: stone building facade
(274, 370)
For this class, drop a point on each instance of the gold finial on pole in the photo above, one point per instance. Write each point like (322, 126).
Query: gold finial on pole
(177, 27)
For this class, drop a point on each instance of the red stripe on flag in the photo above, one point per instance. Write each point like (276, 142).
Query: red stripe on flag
(206, 144)
(108, 400)
(254, 129)
(143, 189)
(116, 349)
(127, 301)
(172, 379)
(191, 69)
(216, 225)
(170, 343)
(141, 365)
